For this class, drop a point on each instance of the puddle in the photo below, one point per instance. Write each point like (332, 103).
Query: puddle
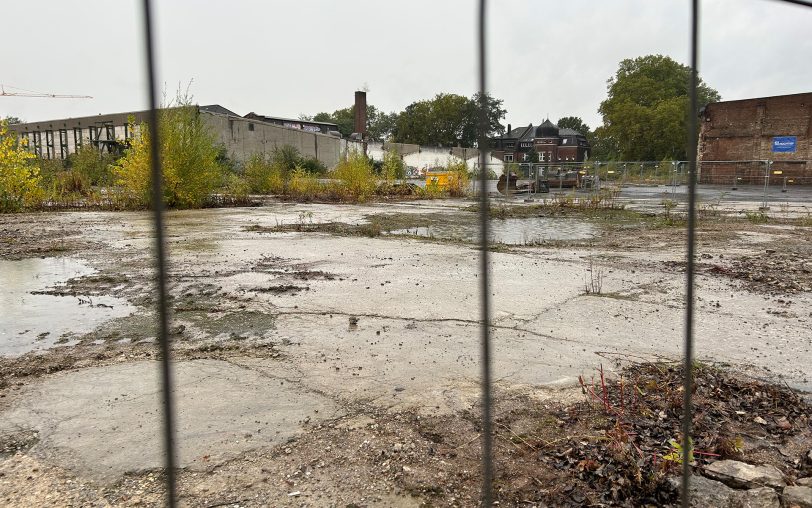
(31, 322)
(509, 231)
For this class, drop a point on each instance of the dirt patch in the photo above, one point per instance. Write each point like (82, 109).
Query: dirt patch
(618, 447)
(784, 269)
(24, 237)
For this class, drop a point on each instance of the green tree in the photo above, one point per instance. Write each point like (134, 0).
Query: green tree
(575, 123)
(414, 124)
(448, 120)
(343, 118)
(379, 123)
(645, 115)
(494, 114)
(11, 120)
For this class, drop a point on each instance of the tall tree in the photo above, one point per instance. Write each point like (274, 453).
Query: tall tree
(575, 123)
(645, 115)
(448, 120)
(343, 118)
(494, 113)
(379, 124)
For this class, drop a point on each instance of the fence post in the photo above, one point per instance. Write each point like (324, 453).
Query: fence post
(767, 165)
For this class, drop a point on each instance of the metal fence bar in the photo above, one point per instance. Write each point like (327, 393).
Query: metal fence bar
(484, 274)
(805, 3)
(160, 261)
(687, 409)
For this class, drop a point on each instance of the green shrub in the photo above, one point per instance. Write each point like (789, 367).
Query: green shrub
(93, 165)
(72, 182)
(393, 167)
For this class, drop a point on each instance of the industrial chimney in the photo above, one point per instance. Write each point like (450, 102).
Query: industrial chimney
(361, 114)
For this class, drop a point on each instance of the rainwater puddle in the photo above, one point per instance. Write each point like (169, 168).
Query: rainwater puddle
(31, 322)
(509, 231)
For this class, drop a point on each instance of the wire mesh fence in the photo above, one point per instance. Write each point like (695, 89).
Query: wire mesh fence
(677, 173)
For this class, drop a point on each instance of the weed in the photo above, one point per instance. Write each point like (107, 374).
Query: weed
(594, 278)
(758, 217)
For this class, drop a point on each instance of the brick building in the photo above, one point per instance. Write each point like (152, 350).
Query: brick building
(775, 129)
(545, 143)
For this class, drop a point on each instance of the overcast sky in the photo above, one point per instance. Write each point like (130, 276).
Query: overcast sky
(284, 58)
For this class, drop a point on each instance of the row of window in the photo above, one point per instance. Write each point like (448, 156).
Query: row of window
(94, 135)
(543, 157)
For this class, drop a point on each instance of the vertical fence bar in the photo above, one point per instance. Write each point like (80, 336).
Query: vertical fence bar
(687, 409)
(484, 274)
(160, 261)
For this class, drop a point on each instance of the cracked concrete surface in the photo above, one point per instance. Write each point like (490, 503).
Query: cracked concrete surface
(414, 343)
(106, 421)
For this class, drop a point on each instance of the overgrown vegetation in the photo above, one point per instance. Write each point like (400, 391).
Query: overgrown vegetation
(19, 180)
(188, 159)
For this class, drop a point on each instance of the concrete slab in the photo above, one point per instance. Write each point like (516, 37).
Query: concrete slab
(102, 422)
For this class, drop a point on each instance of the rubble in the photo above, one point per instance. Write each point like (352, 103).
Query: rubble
(743, 475)
(798, 496)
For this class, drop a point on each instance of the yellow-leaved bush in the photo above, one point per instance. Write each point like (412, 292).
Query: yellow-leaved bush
(188, 160)
(19, 178)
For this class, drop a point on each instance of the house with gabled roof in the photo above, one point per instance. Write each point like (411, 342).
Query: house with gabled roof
(544, 143)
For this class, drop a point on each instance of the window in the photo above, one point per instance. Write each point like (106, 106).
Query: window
(49, 144)
(77, 138)
(541, 157)
(250, 126)
(524, 157)
(508, 157)
(38, 144)
(63, 143)
(564, 141)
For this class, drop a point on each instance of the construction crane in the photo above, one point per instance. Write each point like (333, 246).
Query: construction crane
(30, 93)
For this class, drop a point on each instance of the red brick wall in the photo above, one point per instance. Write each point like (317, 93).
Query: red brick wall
(743, 130)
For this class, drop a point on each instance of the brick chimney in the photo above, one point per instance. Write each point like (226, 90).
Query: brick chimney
(360, 114)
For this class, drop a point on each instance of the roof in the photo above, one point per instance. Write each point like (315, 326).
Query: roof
(527, 133)
(763, 98)
(106, 119)
(547, 129)
(518, 132)
(216, 108)
(265, 118)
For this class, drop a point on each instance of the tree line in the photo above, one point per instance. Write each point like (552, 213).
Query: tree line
(645, 115)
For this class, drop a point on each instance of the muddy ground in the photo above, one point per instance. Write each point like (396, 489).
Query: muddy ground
(327, 355)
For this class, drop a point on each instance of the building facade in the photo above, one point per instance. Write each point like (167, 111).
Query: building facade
(741, 141)
(242, 137)
(546, 143)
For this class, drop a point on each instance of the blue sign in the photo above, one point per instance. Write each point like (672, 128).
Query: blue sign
(784, 143)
